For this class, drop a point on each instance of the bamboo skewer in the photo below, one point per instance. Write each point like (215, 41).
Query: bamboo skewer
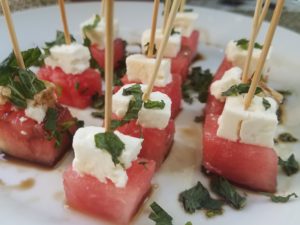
(12, 33)
(64, 20)
(109, 6)
(102, 8)
(166, 14)
(252, 40)
(264, 53)
(263, 15)
(153, 29)
(182, 6)
(162, 47)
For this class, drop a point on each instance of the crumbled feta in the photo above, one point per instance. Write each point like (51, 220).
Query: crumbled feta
(98, 162)
(186, 21)
(173, 45)
(253, 126)
(156, 118)
(151, 118)
(238, 56)
(23, 132)
(231, 77)
(140, 69)
(36, 112)
(5, 93)
(72, 59)
(97, 35)
(23, 119)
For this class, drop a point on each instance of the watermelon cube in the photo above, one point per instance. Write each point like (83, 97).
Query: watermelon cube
(173, 90)
(191, 42)
(119, 53)
(24, 138)
(74, 90)
(117, 205)
(157, 143)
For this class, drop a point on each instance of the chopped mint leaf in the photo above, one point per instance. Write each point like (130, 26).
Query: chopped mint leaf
(197, 198)
(212, 213)
(31, 57)
(60, 40)
(98, 101)
(65, 126)
(173, 31)
(243, 43)
(290, 166)
(236, 90)
(188, 10)
(198, 82)
(223, 188)
(283, 199)
(99, 114)
(286, 137)
(111, 143)
(199, 119)
(93, 25)
(154, 104)
(266, 104)
(188, 223)
(51, 126)
(159, 215)
(133, 90)
(285, 92)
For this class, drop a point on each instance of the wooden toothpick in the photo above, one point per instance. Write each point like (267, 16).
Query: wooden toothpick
(109, 57)
(162, 47)
(264, 53)
(182, 6)
(64, 20)
(166, 13)
(12, 33)
(263, 15)
(252, 40)
(102, 9)
(153, 29)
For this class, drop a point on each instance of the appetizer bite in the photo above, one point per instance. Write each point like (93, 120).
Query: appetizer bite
(107, 179)
(239, 133)
(68, 66)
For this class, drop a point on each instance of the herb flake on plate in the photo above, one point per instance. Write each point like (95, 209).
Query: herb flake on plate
(282, 199)
(289, 166)
(159, 215)
(197, 198)
(286, 137)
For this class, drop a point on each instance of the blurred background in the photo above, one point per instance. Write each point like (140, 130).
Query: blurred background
(290, 17)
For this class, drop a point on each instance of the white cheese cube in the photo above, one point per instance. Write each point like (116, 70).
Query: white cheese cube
(231, 77)
(173, 45)
(140, 69)
(238, 56)
(156, 118)
(72, 59)
(120, 102)
(186, 21)
(232, 116)
(256, 125)
(97, 35)
(98, 162)
(36, 112)
(260, 125)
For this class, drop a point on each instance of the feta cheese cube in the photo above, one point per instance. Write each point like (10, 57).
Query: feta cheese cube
(173, 45)
(140, 69)
(186, 21)
(98, 162)
(72, 59)
(36, 112)
(231, 77)
(256, 125)
(232, 116)
(238, 56)
(260, 125)
(156, 118)
(97, 35)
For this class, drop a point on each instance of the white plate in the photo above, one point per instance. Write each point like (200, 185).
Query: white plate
(44, 202)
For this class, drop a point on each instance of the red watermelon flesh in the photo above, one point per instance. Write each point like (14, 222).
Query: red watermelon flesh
(180, 64)
(117, 205)
(191, 42)
(173, 90)
(73, 90)
(119, 53)
(249, 165)
(28, 140)
(157, 143)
